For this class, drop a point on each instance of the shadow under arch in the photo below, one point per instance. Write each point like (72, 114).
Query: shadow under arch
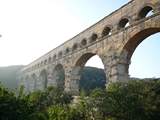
(59, 75)
(79, 67)
(133, 43)
(43, 78)
(84, 58)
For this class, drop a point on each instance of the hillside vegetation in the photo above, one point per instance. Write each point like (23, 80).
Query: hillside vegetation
(8, 76)
(92, 78)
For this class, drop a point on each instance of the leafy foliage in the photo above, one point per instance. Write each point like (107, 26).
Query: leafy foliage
(12, 108)
(51, 96)
(133, 100)
(92, 78)
(32, 106)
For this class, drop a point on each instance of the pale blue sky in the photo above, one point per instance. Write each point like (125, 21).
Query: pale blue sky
(145, 61)
(91, 11)
(30, 28)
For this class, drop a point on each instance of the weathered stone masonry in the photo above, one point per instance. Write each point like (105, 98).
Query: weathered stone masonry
(113, 39)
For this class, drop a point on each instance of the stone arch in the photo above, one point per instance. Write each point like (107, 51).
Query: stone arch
(93, 37)
(84, 42)
(43, 78)
(123, 23)
(60, 54)
(45, 61)
(75, 47)
(54, 57)
(67, 50)
(77, 69)
(133, 43)
(106, 31)
(59, 75)
(143, 12)
(49, 59)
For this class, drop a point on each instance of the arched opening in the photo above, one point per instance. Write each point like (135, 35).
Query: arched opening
(90, 70)
(60, 54)
(146, 63)
(123, 23)
(106, 31)
(93, 38)
(43, 79)
(49, 60)
(75, 46)
(54, 57)
(59, 76)
(83, 42)
(145, 60)
(67, 50)
(145, 12)
(45, 62)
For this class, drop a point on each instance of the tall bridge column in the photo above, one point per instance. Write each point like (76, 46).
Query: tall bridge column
(39, 83)
(72, 78)
(52, 78)
(118, 68)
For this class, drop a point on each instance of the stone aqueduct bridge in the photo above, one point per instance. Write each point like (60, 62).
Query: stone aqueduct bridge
(113, 39)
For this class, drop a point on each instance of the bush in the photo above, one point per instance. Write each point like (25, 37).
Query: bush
(12, 108)
(65, 112)
(51, 96)
(33, 106)
(133, 100)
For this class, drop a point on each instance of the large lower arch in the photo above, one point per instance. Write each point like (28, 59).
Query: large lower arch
(77, 70)
(145, 59)
(44, 79)
(59, 76)
(133, 43)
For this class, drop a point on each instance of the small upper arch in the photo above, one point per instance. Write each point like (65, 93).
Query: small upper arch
(60, 54)
(146, 11)
(67, 50)
(124, 22)
(45, 61)
(49, 60)
(83, 42)
(106, 31)
(75, 46)
(54, 57)
(93, 37)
